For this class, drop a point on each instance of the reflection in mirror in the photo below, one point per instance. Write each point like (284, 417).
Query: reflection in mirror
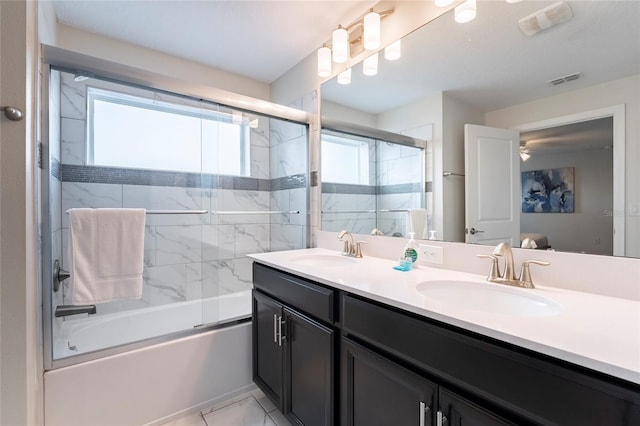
(489, 73)
(371, 184)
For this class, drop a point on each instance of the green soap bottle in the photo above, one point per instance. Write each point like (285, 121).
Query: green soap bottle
(411, 249)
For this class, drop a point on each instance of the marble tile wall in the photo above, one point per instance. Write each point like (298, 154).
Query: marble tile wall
(188, 257)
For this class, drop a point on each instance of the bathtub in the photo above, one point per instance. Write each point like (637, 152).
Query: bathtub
(78, 336)
(155, 383)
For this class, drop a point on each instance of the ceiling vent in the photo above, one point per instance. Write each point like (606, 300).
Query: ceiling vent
(564, 79)
(545, 18)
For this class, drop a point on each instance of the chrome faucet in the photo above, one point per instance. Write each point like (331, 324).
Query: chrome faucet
(524, 280)
(350, 249)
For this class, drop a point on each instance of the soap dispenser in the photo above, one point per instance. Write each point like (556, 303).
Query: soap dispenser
(411, 249)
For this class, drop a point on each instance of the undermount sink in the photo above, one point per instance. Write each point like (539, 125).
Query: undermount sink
(324, 260)
(491, 298)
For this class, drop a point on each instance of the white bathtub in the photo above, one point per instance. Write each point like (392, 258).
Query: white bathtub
(78, 336)
(153, 384)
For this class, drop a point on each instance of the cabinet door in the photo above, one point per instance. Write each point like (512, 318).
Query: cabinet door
(457, 411)
(267, 347)
(376, 391)
(310, 370)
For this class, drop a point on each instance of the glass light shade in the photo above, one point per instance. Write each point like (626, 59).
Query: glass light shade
(371, 31)
(370, 65)
(393, 51)
(324, 62)
(466, 12)
(340, 45)
(443, 3)
(345, 77)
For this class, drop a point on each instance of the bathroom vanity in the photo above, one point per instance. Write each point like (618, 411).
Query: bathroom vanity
(352, 342)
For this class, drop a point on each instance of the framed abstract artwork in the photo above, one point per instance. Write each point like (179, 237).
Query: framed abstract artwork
(548, 191)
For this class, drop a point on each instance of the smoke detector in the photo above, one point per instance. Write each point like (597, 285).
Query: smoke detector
(545, 18)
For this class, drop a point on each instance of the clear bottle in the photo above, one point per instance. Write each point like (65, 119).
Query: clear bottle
(411, 249)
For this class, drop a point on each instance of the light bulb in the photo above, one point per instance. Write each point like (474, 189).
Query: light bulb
(466, 12)
(345, 77)
(371, 30)
(443, 3)
(340, 45)
(370, 65)
(393, 51)
(324, 62)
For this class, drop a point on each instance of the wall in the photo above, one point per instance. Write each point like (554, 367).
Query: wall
(160, 63)
(624, 91)
(589, 229)
(20, 359)
(455, 114)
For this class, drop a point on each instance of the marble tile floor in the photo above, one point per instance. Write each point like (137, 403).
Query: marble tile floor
(249, 409)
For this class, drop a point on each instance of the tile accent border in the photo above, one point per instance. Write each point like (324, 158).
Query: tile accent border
(125, 176)
(402, 188)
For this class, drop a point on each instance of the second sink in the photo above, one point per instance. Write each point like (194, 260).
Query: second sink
(490, 298)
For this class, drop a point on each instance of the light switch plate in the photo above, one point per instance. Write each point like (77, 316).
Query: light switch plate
(431, 254)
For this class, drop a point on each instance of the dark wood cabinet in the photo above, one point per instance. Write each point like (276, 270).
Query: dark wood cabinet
(310, 370)
(294, 353)
(328, 357)
(267, 349)
(377, 391)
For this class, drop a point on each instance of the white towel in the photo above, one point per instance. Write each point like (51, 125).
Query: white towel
(417, 222)
(107, 254)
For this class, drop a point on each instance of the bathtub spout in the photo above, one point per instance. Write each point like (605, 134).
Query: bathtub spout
(66, 310)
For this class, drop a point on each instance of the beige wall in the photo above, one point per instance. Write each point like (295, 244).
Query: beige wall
(20, 353)
(623, 91)
(160, 63)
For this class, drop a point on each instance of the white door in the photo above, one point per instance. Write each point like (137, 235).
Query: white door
(492, 185)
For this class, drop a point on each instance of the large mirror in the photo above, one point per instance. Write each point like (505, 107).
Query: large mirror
(571, 91)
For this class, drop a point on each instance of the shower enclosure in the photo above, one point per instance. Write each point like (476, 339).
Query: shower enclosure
(217, 183)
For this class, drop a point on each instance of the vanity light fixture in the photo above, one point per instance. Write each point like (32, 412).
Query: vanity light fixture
(370, 65)
(524, 153)
(345, 77)
(442, 3)
(363, 34)
(393, 51)
(371, 30)
(340, 44)
(466, 12)
(324, 61)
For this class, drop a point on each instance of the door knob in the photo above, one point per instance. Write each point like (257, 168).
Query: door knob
(474, 231)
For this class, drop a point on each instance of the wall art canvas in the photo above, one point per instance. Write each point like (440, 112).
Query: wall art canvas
(548, 191)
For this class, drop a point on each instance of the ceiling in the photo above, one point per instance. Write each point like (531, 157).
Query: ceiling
(260, 39)
(490, 64)
(487, 63)
(589, 135)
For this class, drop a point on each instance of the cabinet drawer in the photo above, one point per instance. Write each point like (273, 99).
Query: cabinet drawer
(304, 295)
(519, 381)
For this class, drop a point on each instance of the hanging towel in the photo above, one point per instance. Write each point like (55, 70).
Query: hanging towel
(107, 254)
(417, 222)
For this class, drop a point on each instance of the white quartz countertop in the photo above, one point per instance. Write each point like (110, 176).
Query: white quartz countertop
(598, 332)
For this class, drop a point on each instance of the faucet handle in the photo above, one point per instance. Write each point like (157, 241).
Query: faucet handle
(525, 274)
(494, 273)
(358, 249)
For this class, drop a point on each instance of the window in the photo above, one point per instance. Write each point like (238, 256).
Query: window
(134, 132)
(345, 160)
